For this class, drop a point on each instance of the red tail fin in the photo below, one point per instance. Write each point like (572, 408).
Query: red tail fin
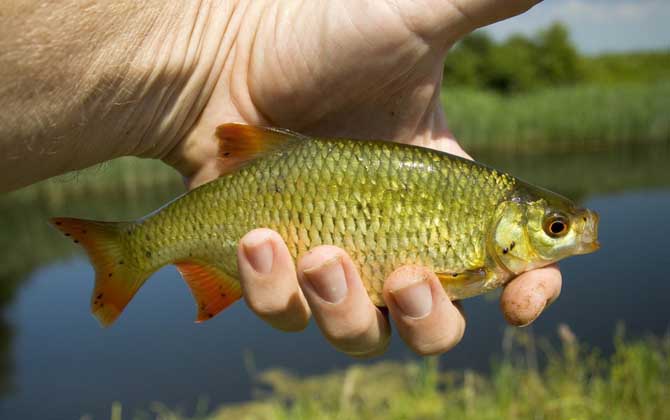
(116, 280)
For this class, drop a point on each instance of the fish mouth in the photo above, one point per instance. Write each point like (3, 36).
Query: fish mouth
(589, 238)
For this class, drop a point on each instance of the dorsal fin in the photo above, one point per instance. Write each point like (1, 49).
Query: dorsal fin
(241, 143)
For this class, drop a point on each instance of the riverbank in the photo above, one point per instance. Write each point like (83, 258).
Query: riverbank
(532, 380)
(576, 118)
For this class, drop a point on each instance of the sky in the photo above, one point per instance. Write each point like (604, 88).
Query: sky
(598, 25)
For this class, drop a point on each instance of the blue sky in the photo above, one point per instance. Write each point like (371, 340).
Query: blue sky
(599, 25)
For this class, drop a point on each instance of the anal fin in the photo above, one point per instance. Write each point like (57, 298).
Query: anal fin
(212, 289)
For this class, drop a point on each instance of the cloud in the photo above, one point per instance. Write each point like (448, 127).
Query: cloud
(613, 10)
(598, 25)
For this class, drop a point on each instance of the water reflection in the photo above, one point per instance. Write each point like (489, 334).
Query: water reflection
(156, 369)
(6, 365)
(580, 175)
(29, 242)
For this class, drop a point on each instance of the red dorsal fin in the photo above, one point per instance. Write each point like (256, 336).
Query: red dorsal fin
(212, 289)
(241, 143)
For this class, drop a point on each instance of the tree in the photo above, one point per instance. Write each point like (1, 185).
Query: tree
(558, 60)
(518, 64)
(468, 63)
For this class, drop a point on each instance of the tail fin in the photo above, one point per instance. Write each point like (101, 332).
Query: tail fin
(116, 281)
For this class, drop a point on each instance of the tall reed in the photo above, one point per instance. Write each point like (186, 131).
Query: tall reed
(560, 119)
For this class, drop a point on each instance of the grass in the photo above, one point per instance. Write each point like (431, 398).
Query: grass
(614, 68)
(583, 117)
(574, 383)
(131, 177)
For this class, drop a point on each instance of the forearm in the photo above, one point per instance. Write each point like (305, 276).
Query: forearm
(84, 82)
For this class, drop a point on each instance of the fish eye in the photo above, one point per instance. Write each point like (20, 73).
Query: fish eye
(556, 225)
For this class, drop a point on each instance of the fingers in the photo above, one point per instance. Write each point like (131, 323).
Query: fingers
(340, 304)
(525, 297)
(425, 317)
(328, 283)
(268, 279)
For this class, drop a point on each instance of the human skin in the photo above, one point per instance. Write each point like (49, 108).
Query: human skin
(84, 82)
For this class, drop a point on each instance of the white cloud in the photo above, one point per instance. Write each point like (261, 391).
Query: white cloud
(603, 12)
(599, 25)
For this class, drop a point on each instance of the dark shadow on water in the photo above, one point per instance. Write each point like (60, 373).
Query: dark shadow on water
(52, 351)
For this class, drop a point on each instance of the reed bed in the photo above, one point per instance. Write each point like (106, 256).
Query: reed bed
(125, 178)
(583, 117)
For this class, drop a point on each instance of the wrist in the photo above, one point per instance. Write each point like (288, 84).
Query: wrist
(178, 72)
(112, 80)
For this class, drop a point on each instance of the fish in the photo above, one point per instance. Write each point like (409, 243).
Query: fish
(387, 204)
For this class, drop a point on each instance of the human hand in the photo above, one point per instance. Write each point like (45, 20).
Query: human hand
(328, 285)
(309, 75)
(155, 79)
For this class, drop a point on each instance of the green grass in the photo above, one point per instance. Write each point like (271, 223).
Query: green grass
(131, 177)
(585, 117)
(628, 67)
(575, 383)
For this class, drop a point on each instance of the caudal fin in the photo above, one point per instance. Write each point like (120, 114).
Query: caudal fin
(116, 280)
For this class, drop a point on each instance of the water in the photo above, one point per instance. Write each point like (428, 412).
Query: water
(57, 363)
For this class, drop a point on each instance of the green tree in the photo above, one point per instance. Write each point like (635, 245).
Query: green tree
(517, 64)
(467, 64)
(513, 66)
(558, 60)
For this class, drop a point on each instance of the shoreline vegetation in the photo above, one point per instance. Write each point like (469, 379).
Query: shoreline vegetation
(549, 121)
(533, 379)
(581, 118)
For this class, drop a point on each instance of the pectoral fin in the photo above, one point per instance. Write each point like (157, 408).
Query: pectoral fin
(460, 285)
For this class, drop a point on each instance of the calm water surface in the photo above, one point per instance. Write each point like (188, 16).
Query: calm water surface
(57, 363)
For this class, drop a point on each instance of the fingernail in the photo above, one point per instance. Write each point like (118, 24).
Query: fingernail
(328, 280)
(414, 300)
(258, 250)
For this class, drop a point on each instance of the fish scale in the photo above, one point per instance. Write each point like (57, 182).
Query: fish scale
(386, 204)
(384, 212)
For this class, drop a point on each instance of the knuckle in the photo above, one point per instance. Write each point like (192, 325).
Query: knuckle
(440, 341)
(291, 324)
(268, 308)
(318, 254)
(374, 351)
(351, 329)
(349, 333)
(438, 345)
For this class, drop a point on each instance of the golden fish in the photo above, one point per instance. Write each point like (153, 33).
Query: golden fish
(386, 204)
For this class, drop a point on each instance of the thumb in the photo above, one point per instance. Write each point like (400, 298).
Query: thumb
(449, 20)
(486, 12)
